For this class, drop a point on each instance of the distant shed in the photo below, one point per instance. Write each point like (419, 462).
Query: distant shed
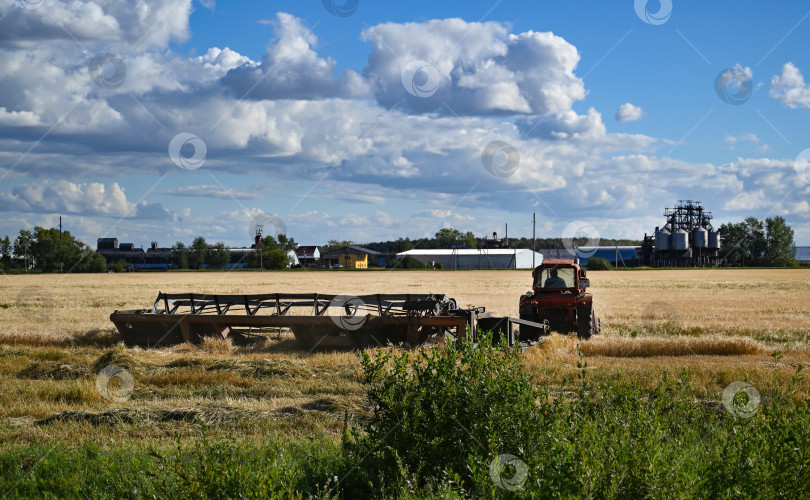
(471, 258)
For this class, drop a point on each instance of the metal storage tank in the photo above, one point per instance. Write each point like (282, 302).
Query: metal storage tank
(714, 240)
(662, 240)
(700, 237)
(680, 240)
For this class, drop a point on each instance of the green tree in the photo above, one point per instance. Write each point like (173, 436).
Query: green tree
(91, 262)
(286, 243)
(6, 249)
(198, 252)
(744, 242)
(780, 250)
(46, 249)
(734, 236)
(335, 244)
(180, 255)
(755, 242)
(758, 243)
(403, 245)
(448, 235)
(51, 252)
(22, 247)
(219, 256)
(275, 259)
(272, 254)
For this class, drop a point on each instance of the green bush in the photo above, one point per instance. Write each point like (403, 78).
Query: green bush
(120, 266)
(598, 264)
(441, 415)
(408, 263)
(274, 259)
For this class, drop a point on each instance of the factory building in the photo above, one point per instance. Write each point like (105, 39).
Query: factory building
(470, 258)
(688, 239)
(157, 258)
(153, 258)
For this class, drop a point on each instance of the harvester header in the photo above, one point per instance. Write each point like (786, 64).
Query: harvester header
(316, 320)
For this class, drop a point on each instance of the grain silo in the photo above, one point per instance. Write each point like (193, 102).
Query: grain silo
(688, 239)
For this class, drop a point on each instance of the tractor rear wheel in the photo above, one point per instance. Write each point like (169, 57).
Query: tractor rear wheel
(528, 313)
(586, 325)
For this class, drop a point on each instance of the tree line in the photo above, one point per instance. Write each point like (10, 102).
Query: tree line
(449, 237)
(48, 251)
(45, 250)
(271, 253)
(758, 243)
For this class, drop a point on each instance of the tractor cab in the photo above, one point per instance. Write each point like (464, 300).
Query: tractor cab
(559, 275)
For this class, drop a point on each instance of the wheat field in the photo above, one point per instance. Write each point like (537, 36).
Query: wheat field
(714, 326)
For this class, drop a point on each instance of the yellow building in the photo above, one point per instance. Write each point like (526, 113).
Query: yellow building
(349, 257)
(355, 261)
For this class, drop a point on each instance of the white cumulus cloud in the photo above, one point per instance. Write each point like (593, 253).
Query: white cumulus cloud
(472, 68)
(789, 88)
(134, 23)
(291, 69)
(629, 113)
(60, 196)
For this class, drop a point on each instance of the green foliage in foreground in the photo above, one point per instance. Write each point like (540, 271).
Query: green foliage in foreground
(203, 469)
(440, 419)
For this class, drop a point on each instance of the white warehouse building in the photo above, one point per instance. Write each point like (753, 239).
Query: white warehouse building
(485, 258)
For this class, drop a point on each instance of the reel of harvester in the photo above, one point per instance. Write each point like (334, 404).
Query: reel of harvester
(316, 320)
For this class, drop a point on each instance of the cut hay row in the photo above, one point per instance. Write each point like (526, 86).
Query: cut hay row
(642, 347)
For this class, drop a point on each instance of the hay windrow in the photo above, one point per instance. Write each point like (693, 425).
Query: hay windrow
(642, 347)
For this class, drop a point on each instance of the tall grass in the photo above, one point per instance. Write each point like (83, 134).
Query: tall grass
(206, 468)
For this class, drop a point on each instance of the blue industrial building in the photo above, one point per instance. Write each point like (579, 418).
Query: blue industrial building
(157, 258)
(620, 256)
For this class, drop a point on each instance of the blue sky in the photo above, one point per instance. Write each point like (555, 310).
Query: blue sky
(377, 124)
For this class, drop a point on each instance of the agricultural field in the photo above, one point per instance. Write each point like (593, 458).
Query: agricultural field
(705, 329)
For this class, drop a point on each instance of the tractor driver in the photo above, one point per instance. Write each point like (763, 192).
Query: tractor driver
(555, 281)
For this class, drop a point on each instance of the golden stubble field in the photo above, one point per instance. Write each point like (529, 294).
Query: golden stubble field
(715, 326)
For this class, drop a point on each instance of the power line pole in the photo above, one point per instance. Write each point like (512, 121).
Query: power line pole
(533, 237)
(61, 270)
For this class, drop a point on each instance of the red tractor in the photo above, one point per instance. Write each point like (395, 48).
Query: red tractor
(558, 295)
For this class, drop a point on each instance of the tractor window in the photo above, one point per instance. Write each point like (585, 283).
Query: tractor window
(555, 278)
